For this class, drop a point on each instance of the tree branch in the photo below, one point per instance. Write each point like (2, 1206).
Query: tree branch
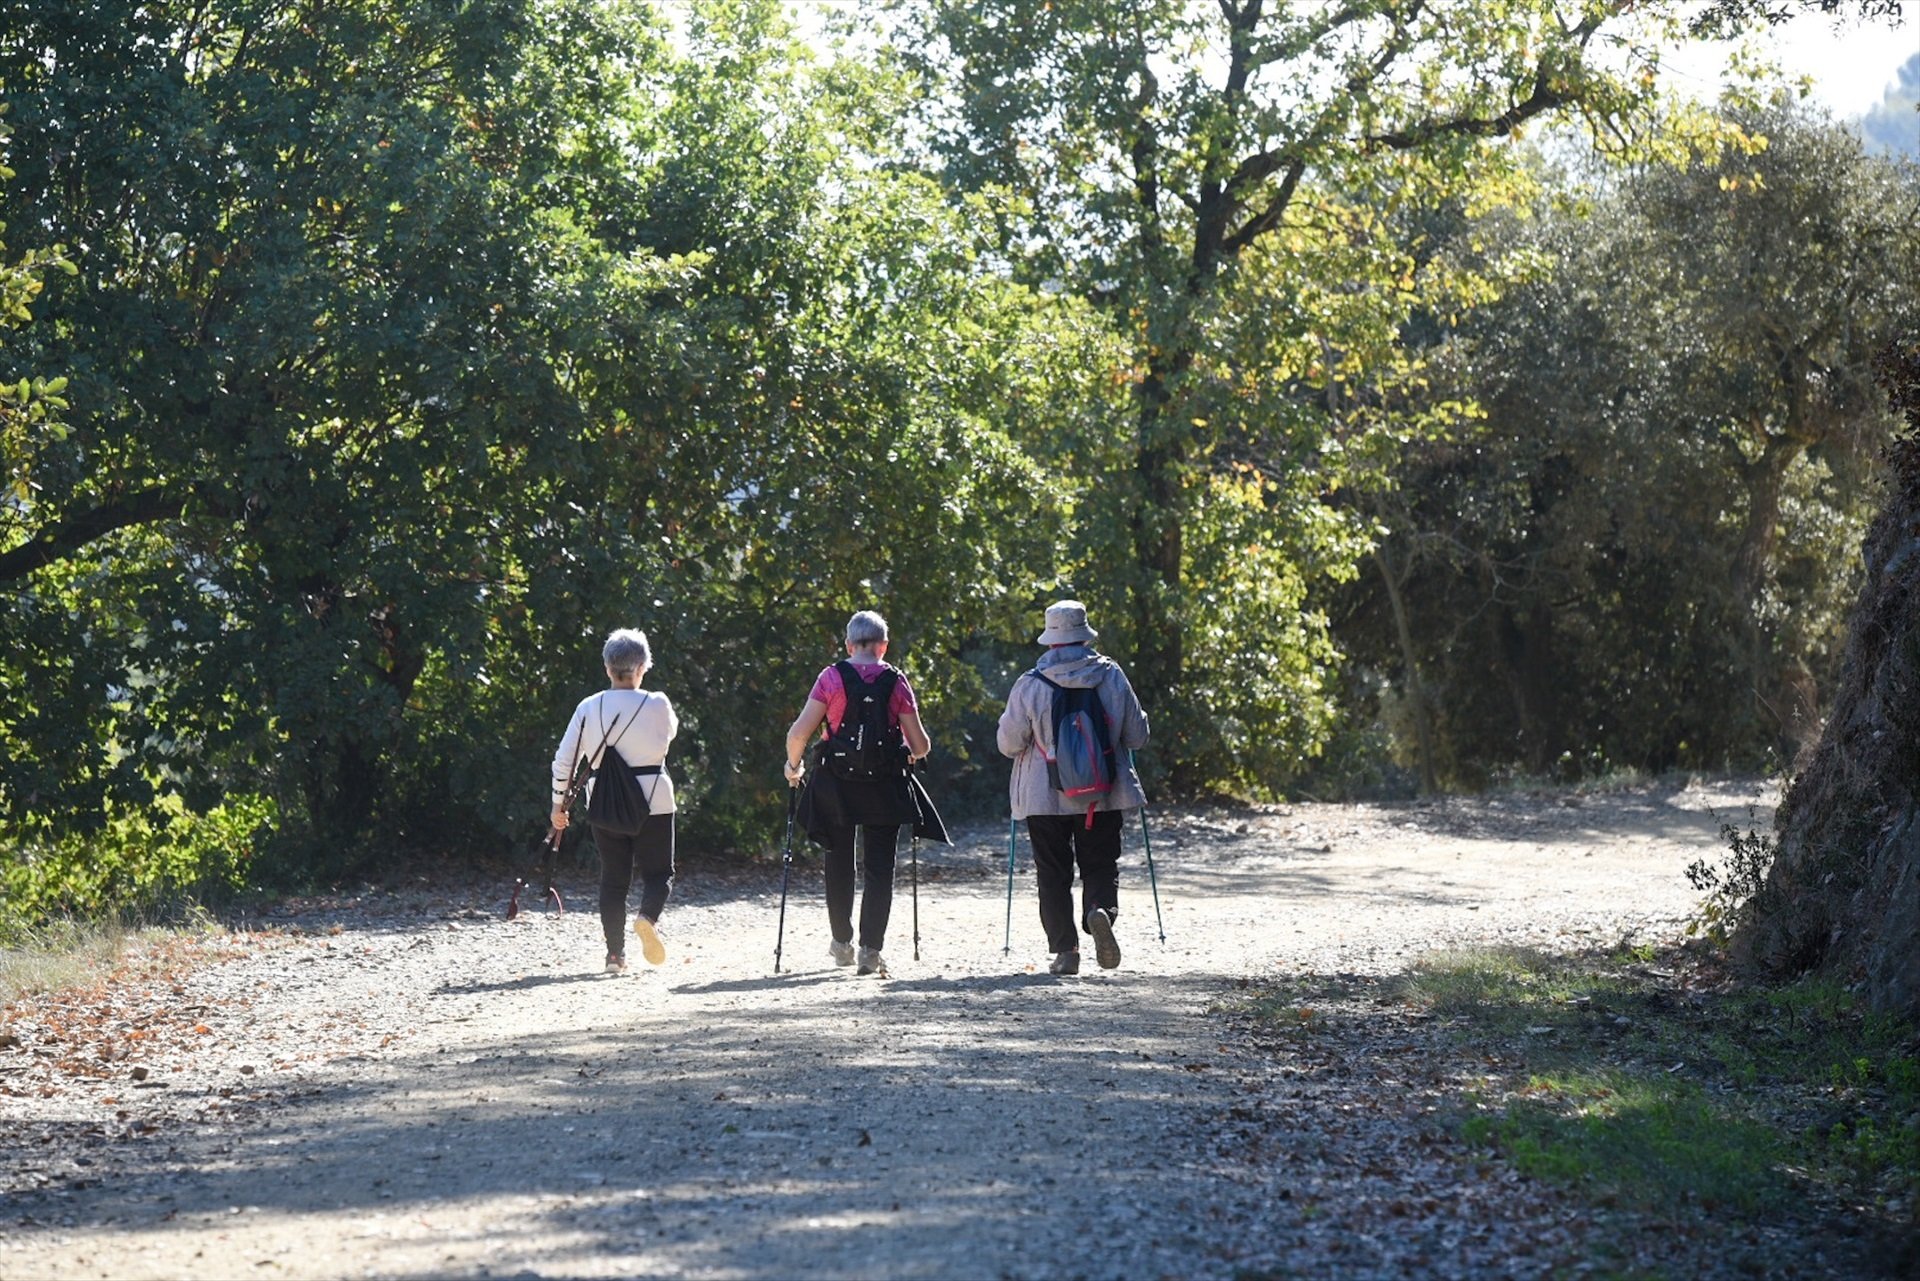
(1546, 96)
(63, 538)
(1269, 217)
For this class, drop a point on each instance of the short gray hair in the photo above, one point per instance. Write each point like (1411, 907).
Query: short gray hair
(626, 652)
(866, 628)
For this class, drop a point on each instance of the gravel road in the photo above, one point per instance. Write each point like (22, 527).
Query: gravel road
(401, 1083)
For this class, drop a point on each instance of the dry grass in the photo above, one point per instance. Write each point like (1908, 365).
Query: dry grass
(66, 954)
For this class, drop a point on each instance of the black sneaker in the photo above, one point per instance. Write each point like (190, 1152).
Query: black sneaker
(616, 963)
(1065, 963)
(1106, 948)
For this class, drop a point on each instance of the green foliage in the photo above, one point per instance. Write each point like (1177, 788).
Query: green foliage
(141, 862)
(415, 348)
(1642, 557)
(1217, 180)
(363, 367)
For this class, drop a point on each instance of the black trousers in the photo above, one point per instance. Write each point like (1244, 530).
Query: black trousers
(650, 852)
(876, 903)
(1060, 841)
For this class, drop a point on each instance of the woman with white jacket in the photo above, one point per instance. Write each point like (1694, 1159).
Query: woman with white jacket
(639, 724)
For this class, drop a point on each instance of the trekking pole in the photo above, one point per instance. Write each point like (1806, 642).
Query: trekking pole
(786, 866)
(1152, 880)
(914, 845)
(576, 781)
(1147, 840)
(1006, 948)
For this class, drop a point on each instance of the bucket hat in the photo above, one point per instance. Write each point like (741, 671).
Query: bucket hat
(1067, 624)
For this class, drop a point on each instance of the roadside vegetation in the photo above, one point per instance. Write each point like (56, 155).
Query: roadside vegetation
(1645, 1080)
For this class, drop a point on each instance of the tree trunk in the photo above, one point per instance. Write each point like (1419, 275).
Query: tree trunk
(1843, 892)
(1159, 646)
(1416, 689)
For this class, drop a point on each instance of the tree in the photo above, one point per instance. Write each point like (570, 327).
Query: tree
(413, 349)
(1145, 153)
(311, 355)
(1643, 557)
(1839, 894)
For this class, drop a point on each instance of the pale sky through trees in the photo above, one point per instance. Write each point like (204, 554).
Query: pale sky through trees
(1852, 62)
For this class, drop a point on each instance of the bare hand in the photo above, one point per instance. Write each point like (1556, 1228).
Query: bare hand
(559, 820)
(795, 773)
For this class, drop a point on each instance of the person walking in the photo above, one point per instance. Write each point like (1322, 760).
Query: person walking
(638, 724)
(873, 735)
(1081, 829)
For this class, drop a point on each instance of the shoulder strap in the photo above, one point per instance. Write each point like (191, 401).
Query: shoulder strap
(857, 686)
(850, 678)
(600, 709)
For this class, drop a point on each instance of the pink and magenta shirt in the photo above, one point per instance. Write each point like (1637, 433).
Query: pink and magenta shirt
(828, 688)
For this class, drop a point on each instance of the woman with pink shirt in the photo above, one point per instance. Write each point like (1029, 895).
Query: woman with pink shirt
(835, 805)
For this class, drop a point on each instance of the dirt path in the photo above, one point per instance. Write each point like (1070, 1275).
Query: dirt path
(412, 1086)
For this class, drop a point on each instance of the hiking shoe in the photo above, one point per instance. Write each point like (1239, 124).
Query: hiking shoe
(842, 953)
(1106, 948)
(616, 963)
(1065, 963)
(870, 962)
(650, 945)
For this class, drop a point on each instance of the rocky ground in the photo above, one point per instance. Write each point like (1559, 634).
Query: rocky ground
(402, 1083)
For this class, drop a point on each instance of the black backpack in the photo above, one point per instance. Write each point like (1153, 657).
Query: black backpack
(1082, 764)
(865, 747)
(618, 802)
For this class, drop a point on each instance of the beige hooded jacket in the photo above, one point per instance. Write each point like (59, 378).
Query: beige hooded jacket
(1026, 731)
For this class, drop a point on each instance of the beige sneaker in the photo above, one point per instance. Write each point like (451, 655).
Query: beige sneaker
(650, 945)
(870, 962)
(842, 953)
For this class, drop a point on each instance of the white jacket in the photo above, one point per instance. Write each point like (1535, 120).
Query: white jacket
(646, 724)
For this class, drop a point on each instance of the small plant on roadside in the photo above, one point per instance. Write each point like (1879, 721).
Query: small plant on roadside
(1732, 887)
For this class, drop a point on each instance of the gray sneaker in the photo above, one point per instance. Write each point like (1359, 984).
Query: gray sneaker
(842, 953)
(1106, 948)
(870, 962)
(1065, 963)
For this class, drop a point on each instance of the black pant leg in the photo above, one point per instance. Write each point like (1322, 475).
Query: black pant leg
(839, 869)
(1052, 837)
(653, 858)
(1097, 850)
(879, 853)
(616, 878)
